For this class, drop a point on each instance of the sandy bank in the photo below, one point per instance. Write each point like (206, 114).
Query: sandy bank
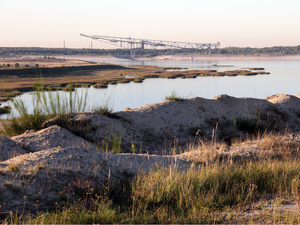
(45, 163)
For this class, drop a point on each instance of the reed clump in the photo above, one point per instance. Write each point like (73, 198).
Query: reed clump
(174, 96)
(104, 110)
(46, 105)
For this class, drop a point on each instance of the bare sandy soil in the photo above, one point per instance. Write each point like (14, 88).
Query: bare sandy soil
(153, 128)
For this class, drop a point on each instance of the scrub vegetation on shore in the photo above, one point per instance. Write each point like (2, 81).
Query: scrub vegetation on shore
(45, 106)
(251, 179)
(221, 191)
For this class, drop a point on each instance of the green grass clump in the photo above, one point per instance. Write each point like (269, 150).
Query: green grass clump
(259, 124)
(112, 143)
(103, 110)
(176, 197)
(174, 96)
(99, 211)
(45, 106)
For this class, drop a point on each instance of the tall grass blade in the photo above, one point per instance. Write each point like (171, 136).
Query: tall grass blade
(45, 106)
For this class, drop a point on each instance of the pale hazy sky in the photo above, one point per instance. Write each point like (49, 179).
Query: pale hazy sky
(242, 23)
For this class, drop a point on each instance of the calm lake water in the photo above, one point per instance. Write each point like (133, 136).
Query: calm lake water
(284, 79)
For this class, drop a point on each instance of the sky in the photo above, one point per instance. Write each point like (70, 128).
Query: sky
(240, 23)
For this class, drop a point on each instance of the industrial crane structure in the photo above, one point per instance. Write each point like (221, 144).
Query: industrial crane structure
(137, 43)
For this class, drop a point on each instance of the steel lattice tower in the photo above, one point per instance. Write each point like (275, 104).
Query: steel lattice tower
(137, 43)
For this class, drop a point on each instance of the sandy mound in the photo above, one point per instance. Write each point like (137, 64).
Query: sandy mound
(50, 175)
(288, 102)
(161, 127)
(258, 149)
(9, 149)
(51, 137)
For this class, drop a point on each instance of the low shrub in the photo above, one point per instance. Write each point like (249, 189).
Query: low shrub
(174, 96)
(259, 124)
(103, 110)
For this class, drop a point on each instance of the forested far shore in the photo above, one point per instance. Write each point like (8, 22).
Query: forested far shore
(276, 50)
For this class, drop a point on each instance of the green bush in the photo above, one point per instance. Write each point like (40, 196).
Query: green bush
(174, 96)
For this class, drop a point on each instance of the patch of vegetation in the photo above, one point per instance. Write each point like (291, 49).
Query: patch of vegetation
(13, 168)
(199, 195)
(256, 68)
(45, 107)
(124, 81)
(103, 110)
(138, 80)
(69, 87)
(100, 85)
(174, 96)
(259, 124)
(112, 143)
(113, 82)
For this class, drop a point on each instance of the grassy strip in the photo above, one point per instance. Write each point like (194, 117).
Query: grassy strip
(55, 71)
(196, 196)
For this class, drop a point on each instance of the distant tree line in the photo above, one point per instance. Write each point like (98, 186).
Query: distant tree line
(276, 50)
